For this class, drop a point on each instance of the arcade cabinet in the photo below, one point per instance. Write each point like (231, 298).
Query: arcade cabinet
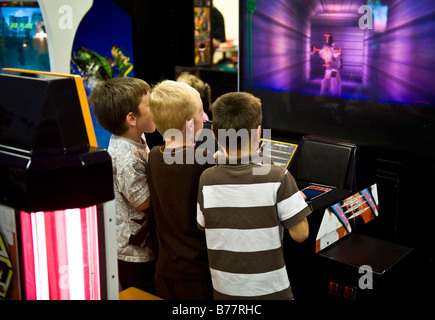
(379, 95)
(337, 260)
(56, 209)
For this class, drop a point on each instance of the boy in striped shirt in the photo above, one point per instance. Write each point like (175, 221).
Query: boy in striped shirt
(244, 210)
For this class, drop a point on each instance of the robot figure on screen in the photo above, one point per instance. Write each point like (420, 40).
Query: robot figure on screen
(331, 82)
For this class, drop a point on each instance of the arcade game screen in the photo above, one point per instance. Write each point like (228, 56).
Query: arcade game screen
(281, 152)
(346, 216)
(360, 70)
(23, 41)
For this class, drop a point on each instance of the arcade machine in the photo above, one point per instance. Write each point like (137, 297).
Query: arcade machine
(337, 260)
(39, 35)
(44, 35)
(323, 69)
(281, 152)
(56, 210)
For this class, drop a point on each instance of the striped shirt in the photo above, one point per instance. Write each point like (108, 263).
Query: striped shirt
(244, 216)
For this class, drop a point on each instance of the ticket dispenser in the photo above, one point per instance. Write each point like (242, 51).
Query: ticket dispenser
(56, 192)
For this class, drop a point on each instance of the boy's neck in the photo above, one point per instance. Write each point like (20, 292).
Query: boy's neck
(240, 153)
(174, 143)
(133, 136)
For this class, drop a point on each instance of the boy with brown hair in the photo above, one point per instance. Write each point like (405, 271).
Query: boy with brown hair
(244, 210)
(121, 106)
(182, 267)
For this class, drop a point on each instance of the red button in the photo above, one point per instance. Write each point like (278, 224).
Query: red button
(348, 293)
(333, 288)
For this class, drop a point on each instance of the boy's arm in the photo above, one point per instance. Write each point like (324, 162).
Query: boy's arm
(199, 206)
(145, 205)
(300, 231)
(292, 208)
(132, 182)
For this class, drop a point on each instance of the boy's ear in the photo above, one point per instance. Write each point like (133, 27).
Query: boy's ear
(131, 119)
(190, 125)
(257, 133)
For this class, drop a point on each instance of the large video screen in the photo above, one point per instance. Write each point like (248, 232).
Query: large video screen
(23, 41)
(360, 70)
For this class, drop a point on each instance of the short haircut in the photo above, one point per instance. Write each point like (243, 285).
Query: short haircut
(172, 104)
(112, 100)
(236, 110)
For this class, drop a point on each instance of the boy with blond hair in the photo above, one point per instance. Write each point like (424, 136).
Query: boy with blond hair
(121, 106)
(244, 210)
(182, 271)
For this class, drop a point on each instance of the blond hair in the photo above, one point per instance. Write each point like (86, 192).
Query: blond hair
(172, 104)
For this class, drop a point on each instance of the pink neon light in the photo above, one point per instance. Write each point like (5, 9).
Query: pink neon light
(28, 257)
(57, 258)
(62, 255)
(90, 253)
(60, 274)
(86, 253)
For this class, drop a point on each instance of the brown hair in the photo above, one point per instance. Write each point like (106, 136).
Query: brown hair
(202, 87)
(114, 99)
(236, 110)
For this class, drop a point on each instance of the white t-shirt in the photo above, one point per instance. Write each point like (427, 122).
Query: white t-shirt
(131, 189)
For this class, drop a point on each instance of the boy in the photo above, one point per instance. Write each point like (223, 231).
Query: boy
(121, 106)
(203, 89)
(182, 271)
(243, 212)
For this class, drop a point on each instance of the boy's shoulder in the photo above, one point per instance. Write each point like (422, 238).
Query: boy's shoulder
(255, 172)
(182, 155)
(155, 153)
(117, 145)
(125, 149)
(124, 142)
(155, 149)
(271, 172)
